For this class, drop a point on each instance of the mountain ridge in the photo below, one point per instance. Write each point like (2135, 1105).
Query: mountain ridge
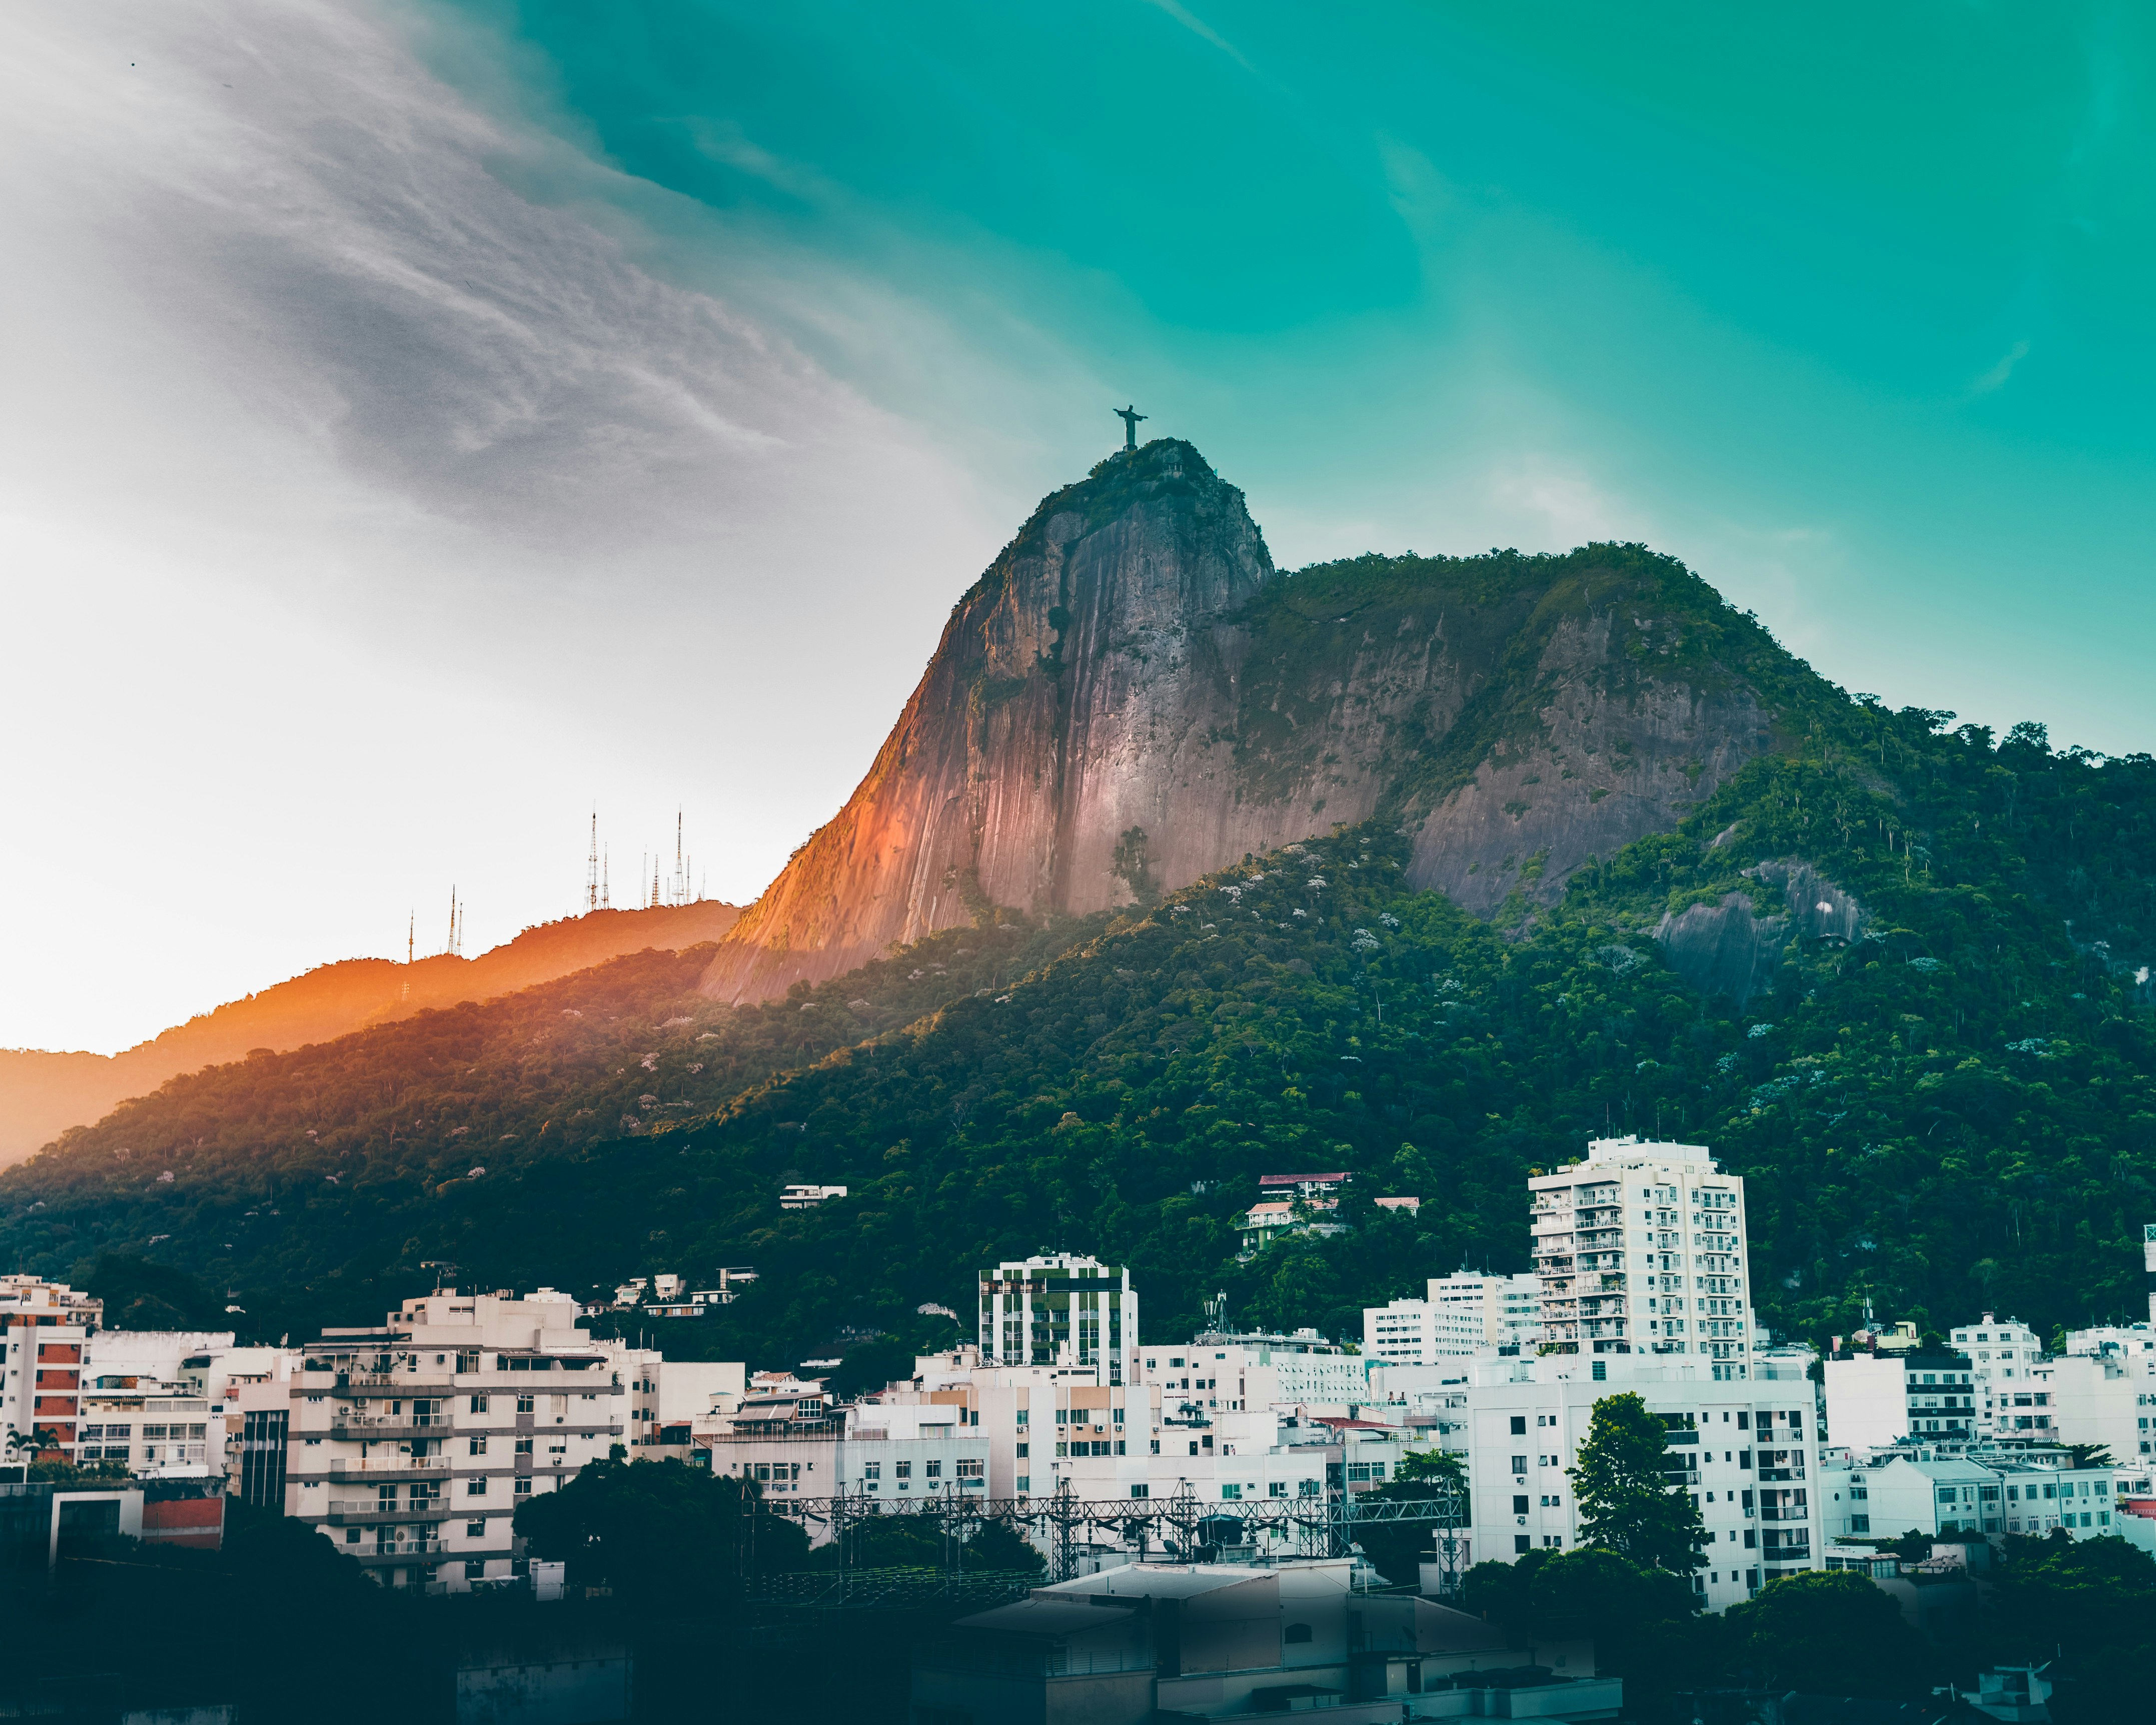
(44, 1093)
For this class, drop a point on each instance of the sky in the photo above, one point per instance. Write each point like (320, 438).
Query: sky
(430, 422)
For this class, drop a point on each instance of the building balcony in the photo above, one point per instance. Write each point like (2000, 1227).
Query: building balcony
(371, 1467)
(404, 1551)
(375, 1428)
(374, 1382)
(1769, 1474)
(360, 1511)
(1785, 1515)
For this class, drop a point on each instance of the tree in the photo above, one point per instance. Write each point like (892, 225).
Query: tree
(1625, 1502)
(1396, 1547)
(659, 1533)
(2090, 1603)
(999, 1545)
(1832, 1630)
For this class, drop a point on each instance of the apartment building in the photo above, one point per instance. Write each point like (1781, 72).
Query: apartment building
(1420, 1332)
(1747, 1452)
(2003, 1354)
(1460, 1316)
(410, 1444)
(1234, 1370)
(1991, 1492)
(2100, 1399)
(45, 1326)
(788, 1437)
(1639, 1248)
(1061, 1309)
(1874, 1401)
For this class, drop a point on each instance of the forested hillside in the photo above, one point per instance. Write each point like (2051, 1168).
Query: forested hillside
(1940, 1096)
(43, 1093)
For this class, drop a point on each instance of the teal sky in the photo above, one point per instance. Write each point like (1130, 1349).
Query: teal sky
(1848, 306)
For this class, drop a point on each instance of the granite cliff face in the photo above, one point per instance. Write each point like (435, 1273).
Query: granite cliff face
(1131, 696)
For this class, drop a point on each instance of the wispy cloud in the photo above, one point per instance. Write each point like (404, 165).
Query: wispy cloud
(1996, 378)
(1198, 27)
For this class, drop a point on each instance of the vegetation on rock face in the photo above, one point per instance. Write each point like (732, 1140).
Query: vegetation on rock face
(1950, 1112)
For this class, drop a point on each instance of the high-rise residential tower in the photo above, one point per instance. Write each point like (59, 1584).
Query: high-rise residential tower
(1640, 1249)
(1061, 1309)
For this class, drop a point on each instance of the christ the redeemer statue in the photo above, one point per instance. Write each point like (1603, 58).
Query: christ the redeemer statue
(1129, 416)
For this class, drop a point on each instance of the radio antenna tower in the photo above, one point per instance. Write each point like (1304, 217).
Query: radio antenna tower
(592, 867)
(606, 880)
(654, 880)
(450, 950)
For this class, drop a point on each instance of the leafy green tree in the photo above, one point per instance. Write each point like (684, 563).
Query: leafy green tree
(999, 1545)
(2089, 1604)
(1625, 1501)
(658, 1533)
(1827, 1631)
(1397, 1547)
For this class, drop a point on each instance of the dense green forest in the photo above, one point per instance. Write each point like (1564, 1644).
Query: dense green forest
(1951, 1110)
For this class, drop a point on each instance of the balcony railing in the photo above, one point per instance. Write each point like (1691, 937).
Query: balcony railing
(1785, 1515)
(433, 1379)
(402, 1551)
(369, 1428)
(349, 1511)
(395, 1466)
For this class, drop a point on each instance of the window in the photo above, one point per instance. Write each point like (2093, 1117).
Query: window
(1278, 1488)
(474, 1488)
(972, 1470)
(523, 1404)
(1142, 1491)
(524, 1446)
(1519, 1424)
(475, 1568)
(478, 1446)
(902, 1470)
(1520, 1504)
(1520, 1465)
(1521, 1542)
(475, 1530)
(1296, 1632)
(479, 1405)
(1231, 1493)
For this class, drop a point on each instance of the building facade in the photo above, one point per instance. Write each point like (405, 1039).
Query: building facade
(1874, 1401)
(1061, 1309)
(1747, 1453)
(410, 1445)
(1640, 1249)
(45, 1330)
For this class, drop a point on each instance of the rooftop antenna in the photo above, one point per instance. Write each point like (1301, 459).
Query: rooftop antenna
(592, 867)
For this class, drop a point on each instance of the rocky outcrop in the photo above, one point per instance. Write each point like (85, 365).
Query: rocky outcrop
(1730, 949)
(1131, 696)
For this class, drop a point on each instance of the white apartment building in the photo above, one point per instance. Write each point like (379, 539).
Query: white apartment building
(1420, 1332)
(1061, 1309)
(1640, 1249)
(2101, 1399)
(2002, 1355)
(2132, 1345)
(44, 1328)
(1874, 1401)
(410, 1445)
(1232, 1371)
(1461, 1315)
(1994, 1492)
(1747, 1453)
(788, 1437)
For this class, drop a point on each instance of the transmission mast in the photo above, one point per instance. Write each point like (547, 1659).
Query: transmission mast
(592, 868)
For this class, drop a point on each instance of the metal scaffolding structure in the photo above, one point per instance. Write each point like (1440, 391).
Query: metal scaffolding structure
(1179, 1528)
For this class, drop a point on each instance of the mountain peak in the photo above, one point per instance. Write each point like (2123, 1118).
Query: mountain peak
(1131, 698)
